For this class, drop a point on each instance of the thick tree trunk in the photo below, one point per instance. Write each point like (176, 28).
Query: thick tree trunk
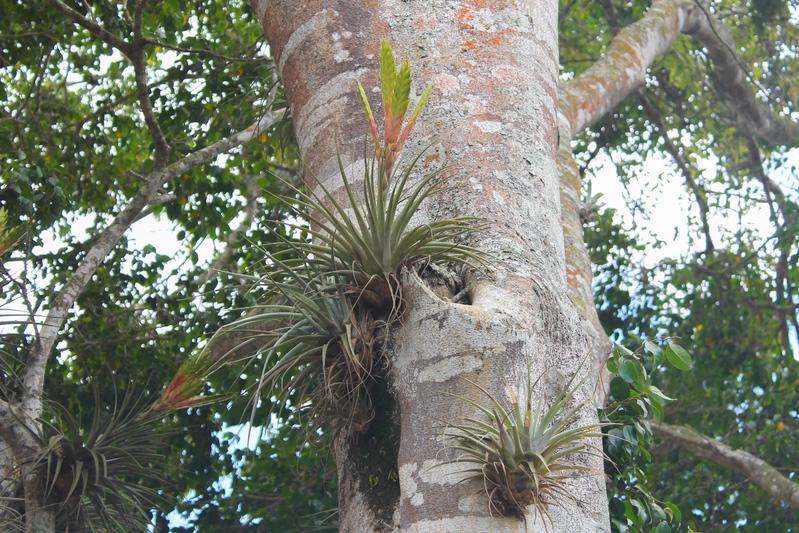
(493, 121)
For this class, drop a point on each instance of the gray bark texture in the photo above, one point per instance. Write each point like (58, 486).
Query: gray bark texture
(492, 120)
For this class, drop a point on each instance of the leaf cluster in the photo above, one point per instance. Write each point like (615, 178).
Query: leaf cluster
(632, 401)
(396, 88)
(329, 299)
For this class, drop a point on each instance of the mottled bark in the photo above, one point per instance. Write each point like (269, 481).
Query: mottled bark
(757, 470)
(578, 264)
(492, 120)
(605, 84)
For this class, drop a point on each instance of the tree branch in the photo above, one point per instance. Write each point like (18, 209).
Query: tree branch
(232, 240)
(782, 282)
(137, 57)
(206, 52)
(94, 28)
(611, 15)
(733, 82)
(40, 351)
(654, 115)
(757, 470)
(134, 51)
(607, 82)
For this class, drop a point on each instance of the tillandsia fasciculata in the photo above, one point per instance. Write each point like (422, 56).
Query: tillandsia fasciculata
(107, 477)
(522, 454)
(332, 296)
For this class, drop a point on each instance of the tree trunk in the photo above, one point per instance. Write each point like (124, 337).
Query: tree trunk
(492, 120)
(39, 518)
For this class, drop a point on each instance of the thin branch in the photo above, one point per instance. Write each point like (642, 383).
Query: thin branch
(158, 200)
(206, 52)
(19, 284)
(142, 92)
(611, 15)
(40, 351)
(598, 90)
(233, 238)
(734, 82)
(701, 199)
(769, 186)
(94, 28)
(757, 470)
(138, 15)
(782, 284)
(135, 52)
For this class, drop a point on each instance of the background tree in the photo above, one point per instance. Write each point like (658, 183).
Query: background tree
(117, 112)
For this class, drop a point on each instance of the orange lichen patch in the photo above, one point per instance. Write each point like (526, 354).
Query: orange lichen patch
(464, 15)
(471, 44)
(496, 39)
(423, 23)
(573, 278)
(431, 158)
(628, 50)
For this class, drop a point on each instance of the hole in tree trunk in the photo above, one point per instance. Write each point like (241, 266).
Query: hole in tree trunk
(448, 285)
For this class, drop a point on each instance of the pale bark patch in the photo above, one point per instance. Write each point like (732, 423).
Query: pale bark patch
(450, 367)
(328, 99)
(309, 28)
(488, 126)
(408, 484)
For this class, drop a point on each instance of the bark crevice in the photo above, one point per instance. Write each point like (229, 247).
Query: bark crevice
(368, 475)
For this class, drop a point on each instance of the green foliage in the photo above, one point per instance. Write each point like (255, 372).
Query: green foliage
(72, 147)
(283, 484)
(747, 383)
(522, 454)
(72, 150)
(741, 386)
(632, 402)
